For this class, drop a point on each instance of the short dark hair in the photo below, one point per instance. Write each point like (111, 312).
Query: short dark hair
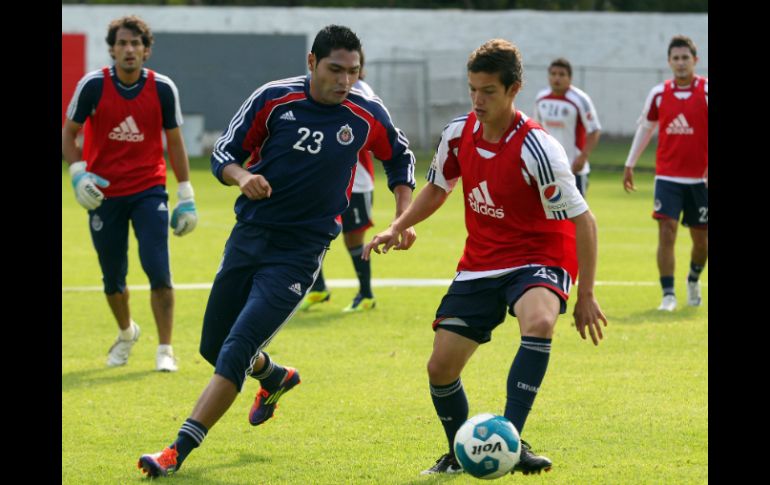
(682, 41)
(501, 56)
(562, 62)
(132, 23)
(334, 37)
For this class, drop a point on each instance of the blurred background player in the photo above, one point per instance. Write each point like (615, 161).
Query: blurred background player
(679, 106)
(120, 176)
(305, 133)
(356, 219)
(568, 114)
(522, 251)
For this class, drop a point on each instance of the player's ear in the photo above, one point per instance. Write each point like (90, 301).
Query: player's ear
(311, 62)
(147, 53)
(513, 89)
(110, 50)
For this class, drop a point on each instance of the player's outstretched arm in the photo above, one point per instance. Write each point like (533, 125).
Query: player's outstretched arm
(430, 198)
(587, 312)
(403, 195)
(184, 217)
(641, 138)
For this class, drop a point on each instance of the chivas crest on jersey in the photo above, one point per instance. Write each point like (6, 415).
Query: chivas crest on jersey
(345, 135)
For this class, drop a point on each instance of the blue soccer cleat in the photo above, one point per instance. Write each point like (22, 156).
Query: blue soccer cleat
(265, 402)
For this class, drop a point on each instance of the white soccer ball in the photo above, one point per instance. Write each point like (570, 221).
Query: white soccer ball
(487, 446)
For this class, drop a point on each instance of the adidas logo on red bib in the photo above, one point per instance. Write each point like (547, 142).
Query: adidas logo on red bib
(482, 203)
(126, 131)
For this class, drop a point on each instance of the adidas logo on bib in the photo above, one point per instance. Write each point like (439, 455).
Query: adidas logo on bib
(482, 203)
(679, 126)
(126, 131)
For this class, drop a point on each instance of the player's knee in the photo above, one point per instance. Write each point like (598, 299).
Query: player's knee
(539, 325)
(441, 371)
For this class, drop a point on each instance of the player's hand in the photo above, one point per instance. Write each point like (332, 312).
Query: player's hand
(628, 180)
(389, 238)
(588, 314)
(85, 184)
(255, 187)
(579, 163)
(408, 237)
(184, 218)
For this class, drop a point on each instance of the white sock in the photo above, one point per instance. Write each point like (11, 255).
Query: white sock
(128, 334)
(165, 349)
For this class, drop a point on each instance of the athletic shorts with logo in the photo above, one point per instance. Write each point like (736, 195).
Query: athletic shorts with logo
(482, 303)
(147, 211)
(261, 281)
(671, 199)
(358, 216)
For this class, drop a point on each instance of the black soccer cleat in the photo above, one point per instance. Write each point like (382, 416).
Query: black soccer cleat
(446, 464)
(530, 462)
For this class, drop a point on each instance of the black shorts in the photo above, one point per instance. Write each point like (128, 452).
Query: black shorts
(672, 198)
(358, 216)
(581, 181)
(482, 303)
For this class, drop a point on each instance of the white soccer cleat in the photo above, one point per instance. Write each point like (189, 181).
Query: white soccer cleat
(668, 304)
(693, 293)
(120, 350)
(165, 360)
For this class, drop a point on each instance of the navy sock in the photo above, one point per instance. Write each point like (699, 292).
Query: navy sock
(667, 283)
(190, 436)
(695, 271)
(271, 375)
(319, 284)
(363, 271)
(524, 378)
(451, 407)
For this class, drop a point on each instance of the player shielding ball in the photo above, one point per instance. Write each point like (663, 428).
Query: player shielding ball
(529, 230)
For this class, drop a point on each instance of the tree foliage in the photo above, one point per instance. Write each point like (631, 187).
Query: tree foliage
(550, 5)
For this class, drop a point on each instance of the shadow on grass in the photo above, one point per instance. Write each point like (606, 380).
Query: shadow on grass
(204, 474)
(439, 478)
(653, 315)
(98, 377)
(319, 316)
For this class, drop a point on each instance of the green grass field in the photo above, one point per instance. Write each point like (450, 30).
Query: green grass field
(632, 411)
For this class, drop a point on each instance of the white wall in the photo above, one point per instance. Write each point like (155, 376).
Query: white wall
(609, 40)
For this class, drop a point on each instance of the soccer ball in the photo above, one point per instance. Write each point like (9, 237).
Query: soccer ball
(487, 446)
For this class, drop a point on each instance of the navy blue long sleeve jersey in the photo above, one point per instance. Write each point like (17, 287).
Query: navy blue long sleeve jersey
(307, 151)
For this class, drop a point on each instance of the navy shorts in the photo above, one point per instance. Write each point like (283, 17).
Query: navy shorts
(581, 181)
(358, 215)
(672, 198)
(148, 213)
(261, 281)
(482, 303)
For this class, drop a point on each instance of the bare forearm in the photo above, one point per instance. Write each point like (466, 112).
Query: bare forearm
(177, 155)
(592, 139)
(430, 198)
(71, 152)
(234, 173)
(587, 244)
(403, 195)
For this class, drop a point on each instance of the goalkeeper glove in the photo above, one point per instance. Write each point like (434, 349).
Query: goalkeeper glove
(184, 218)
(84, 183)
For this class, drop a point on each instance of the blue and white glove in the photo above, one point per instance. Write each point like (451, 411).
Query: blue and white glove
(85, 185)
(184, 218)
